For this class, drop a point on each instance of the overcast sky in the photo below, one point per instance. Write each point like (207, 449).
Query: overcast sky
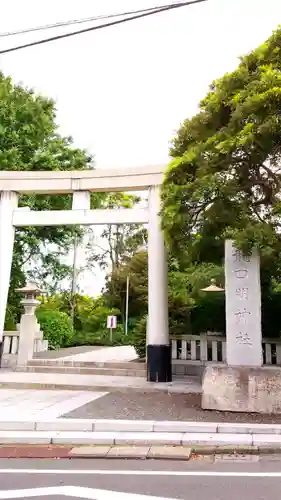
(122, 92)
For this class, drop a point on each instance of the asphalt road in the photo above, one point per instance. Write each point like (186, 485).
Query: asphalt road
(194, 480)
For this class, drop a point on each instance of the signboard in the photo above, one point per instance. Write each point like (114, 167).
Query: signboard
(111, 322)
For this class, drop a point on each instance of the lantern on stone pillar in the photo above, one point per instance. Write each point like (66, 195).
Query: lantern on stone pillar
(29, 327)
(29, 302)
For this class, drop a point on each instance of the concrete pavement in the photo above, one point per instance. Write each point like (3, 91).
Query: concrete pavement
(98, 383)
(160, 406)
(32, 404)
(65, 352)
(103, 480)
(116, 353)
(37, 404)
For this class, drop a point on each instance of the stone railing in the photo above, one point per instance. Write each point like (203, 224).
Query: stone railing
(10, 346)
(10, 342)
(201, 349)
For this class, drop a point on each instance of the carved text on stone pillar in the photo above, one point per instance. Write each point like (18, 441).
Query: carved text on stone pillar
(241, 314)
(242, 293)
(239, 256)
(243, 307)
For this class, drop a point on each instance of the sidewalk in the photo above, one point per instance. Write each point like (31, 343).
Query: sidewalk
(39, 424)
(42, 405)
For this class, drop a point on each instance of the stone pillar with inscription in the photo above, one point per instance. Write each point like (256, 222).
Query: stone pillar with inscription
(242, 384)
(243, 307)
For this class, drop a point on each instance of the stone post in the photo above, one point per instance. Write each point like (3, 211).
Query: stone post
(242, 384)
(28, 323)
(242, 307)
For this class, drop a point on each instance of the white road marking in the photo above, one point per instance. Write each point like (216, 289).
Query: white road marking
(34, 404)
(114, 472)
(77, 492)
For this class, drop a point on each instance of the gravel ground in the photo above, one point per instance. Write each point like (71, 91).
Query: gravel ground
(68, 351)
(117, 405)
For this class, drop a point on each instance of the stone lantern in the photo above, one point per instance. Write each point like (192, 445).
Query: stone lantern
(29, 328)
(29, 302)
(212, 287)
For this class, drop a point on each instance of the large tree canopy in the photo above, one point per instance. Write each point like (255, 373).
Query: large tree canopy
(225, 178)
(29, 140)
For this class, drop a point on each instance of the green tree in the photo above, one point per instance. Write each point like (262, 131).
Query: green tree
(189, 307)
(89, 326)
(118, 241)
(224, 180)
(115, 289)
(29, 140)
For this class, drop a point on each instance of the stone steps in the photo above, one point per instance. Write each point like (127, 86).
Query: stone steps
(131, 369)
(84, 370)
(88, 364)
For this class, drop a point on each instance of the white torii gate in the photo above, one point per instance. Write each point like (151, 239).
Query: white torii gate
(81, 184)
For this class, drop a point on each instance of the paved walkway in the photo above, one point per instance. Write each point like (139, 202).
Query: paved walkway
(117, 353)
(163, 407)
(30, 404)
(66, 352)
(98, 383)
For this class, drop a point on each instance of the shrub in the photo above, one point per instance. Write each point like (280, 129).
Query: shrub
(138, 338)
(208, 314)
(101, 337)
(91, 315)
(56, 326)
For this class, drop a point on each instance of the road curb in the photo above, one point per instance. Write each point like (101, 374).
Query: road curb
(192, 440)
(202, 438)
(203, 429)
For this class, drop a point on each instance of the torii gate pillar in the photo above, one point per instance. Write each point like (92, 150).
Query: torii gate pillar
(8, 202)
(159, 368)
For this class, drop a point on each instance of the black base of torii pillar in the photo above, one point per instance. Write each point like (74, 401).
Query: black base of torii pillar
(159, 363)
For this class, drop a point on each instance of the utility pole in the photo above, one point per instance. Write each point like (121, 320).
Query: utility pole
(74, 278)
(127, 305)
